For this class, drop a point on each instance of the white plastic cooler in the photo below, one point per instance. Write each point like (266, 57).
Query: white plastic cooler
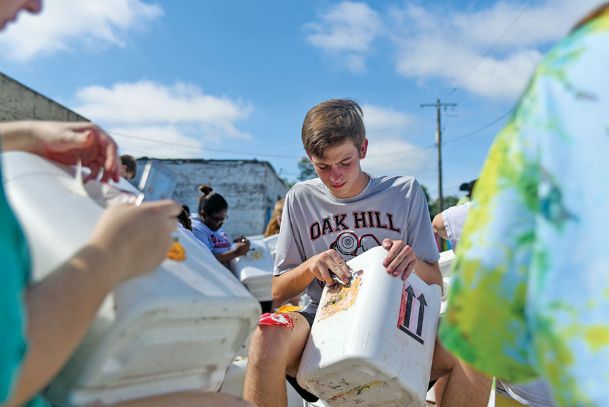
(255, 269)
(372, 343)
(446, 262)
(177, 328)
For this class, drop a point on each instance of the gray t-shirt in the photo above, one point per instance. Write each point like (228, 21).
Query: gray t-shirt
(314, 221)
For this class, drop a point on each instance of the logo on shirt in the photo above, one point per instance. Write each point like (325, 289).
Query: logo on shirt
(348, 244)
(358, 220)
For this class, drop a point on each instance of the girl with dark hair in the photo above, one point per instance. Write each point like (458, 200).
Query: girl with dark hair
(207, 227)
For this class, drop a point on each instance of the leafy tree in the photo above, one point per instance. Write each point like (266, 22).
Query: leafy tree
(434, 207)
(306, 169)
(427, 198)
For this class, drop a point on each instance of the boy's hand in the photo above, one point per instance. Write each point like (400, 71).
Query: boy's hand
(400, 260)
(329, 262)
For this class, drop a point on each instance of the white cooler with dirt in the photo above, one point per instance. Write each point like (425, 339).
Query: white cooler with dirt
(372, 343)
(255, 269)
(178, 328)
(446, 261)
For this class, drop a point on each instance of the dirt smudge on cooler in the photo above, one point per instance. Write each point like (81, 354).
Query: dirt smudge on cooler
(340, 298)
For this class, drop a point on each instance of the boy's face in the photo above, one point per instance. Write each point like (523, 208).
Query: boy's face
(340, 169)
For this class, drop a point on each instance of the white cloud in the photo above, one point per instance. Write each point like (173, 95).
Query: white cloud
(346, 32)
(472, 49)
(65, 24)
(385, 122)
(176, 114)
(389, 153)
(157, 141)
(396, 157)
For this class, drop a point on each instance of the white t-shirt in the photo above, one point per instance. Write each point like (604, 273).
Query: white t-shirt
(217, 240)
(454, 219)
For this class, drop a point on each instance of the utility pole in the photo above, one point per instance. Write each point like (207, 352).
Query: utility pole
(439, 105)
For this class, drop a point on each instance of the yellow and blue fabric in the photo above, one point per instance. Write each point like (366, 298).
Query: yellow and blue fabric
(530, 296)
(15, 276)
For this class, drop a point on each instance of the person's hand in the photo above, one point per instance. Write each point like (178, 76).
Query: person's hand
(242, 247)
(400, 260)
(67, 143)
(328, 262)
(135, 238)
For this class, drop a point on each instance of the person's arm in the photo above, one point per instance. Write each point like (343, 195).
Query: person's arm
(66, 143)
(240, 249)
(402, 260)
(438, 225)
(420, 252)
(429, 272)
(61, 306)
(294, 281)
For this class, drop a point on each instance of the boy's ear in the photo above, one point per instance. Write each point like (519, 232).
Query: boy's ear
(363, 150)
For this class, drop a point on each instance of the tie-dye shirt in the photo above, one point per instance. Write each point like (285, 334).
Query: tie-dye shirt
(530, 295)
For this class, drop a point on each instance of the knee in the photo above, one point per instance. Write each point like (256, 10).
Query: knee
(268, 345)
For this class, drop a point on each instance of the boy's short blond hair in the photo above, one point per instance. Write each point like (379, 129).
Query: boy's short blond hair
(331, 123)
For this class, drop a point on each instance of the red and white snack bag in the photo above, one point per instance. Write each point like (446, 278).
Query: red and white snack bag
(277, 319)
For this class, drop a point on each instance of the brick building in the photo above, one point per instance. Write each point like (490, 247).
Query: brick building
(18, 102)
(250, 187)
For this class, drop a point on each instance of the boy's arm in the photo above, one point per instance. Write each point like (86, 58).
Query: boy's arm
(291, 283)
(401, 260)
(321, 266)
(429, 272)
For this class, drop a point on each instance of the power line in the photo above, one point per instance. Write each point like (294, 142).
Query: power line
(213, 150)
(452, 140)
(482, 128)
(464, 79)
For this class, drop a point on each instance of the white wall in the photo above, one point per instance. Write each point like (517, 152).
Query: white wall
(250, 187)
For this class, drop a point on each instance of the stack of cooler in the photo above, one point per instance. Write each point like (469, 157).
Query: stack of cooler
(177, 328)
(446, 262)
(255, 269)
(372, 343)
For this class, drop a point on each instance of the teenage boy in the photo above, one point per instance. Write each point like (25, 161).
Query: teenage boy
(327, 221)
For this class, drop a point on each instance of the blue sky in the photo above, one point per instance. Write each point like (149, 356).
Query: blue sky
(234, 79)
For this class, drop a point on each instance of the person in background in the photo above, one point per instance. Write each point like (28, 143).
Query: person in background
(128, 167)
(536, 393)
(334, 138)
(40, 324)
(184, 218)
(449, 223)
(529, 296)
(272, 228)
(207, 227)
(468, 188)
